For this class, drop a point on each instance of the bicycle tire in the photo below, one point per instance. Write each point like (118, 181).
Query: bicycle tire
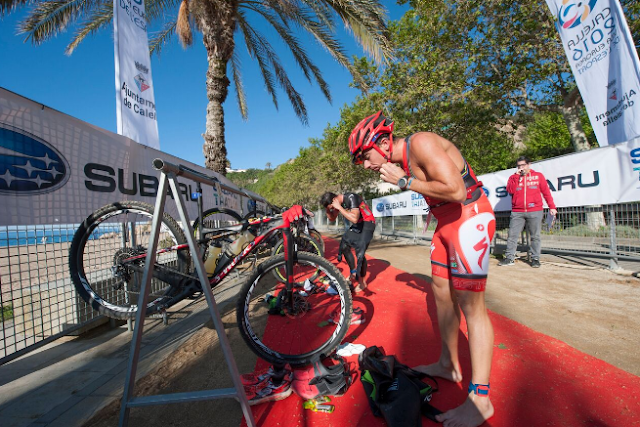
(217, 218)
(295, 338)
(254, 214)
(315, 235)
(103, 238)
(304, 243)
(220, 218)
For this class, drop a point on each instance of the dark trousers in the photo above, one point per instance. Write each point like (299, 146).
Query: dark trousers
(358, 238)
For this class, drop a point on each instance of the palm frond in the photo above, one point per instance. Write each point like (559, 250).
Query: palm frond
(182, 25)
(51, 17)
(158, 40)
(323, 14)
(322, 33)
(97, 20)
(7, 6)
(367, 20)
(299, 54)
(284, 32)
(256, 49)
(237, 81)
(294, 97)
(324, 36)
(267, 57)
(155, 9)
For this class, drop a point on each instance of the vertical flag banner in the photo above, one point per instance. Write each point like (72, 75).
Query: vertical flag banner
(605, 64)
(135, 103)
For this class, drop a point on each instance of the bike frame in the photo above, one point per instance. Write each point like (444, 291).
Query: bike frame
(289, 252)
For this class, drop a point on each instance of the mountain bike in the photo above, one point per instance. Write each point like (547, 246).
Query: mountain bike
(306, 237)
(278, 318)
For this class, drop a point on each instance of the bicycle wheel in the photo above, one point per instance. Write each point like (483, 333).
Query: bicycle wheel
(315, 235)
(217, 218)
(314, 325)
(254, 214)
(304, 243)
(112, 234)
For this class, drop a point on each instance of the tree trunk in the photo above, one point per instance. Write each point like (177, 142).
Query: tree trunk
(214, 149)
(216, 19)
(571, 114)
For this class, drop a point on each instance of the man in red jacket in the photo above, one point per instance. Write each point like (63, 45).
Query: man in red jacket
(527, 187)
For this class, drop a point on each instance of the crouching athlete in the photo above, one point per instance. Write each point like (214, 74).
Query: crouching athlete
(359, 234)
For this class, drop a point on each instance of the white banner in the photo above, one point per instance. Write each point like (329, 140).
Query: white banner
(605, 64)
(55, 169)
(405, 203)
(135, 103)
(605, 175)
(602, 176)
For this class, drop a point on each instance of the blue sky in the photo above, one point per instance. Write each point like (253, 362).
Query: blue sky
(83, 85)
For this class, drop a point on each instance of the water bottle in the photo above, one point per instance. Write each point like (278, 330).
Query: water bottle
(213, 254)
(239, 244)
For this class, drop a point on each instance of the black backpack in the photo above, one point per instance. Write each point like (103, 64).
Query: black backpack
(394, 390)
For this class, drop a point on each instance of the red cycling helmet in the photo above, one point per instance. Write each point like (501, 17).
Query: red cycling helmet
(366, 133)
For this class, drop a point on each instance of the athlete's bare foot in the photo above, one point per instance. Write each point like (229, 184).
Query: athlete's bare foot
(451, 373)
(472, 413)
(362, 285)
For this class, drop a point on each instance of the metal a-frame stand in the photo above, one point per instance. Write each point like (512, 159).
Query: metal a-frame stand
(169, 173)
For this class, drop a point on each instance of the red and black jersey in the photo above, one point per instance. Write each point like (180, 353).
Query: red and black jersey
(527, 192)
(354, 201)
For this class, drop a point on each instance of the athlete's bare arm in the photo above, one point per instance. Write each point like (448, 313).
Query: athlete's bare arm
(353, 215)
(436, 163)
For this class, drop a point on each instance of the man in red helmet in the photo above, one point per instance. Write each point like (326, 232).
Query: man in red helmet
(433, 167)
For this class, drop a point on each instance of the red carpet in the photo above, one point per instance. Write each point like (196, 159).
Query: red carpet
(536, 380)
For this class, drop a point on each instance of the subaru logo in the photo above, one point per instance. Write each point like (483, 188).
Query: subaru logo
(380, 207)
(29, 165)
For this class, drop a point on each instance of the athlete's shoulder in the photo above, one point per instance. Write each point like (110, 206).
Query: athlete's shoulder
(350, 195)
(428, 139)
(424, 136)
(351, 200)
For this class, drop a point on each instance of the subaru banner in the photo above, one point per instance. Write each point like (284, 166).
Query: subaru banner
(55, 169)
(606, 175)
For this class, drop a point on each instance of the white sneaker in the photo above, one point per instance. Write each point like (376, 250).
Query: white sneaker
(349, 349)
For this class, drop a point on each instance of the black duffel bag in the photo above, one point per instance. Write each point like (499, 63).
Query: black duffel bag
(394, 390)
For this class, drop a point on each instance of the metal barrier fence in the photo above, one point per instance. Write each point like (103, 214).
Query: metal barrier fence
(38, 300)
(606, 231)
(39, 303)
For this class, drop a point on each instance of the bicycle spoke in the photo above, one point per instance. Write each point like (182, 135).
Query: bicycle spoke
(103, 260)
(294, 326)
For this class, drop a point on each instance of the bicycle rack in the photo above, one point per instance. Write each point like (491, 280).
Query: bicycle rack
(168, 175)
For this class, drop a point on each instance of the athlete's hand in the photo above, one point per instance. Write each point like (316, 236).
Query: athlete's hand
(292, 214)
(335, 203)
(391, 173)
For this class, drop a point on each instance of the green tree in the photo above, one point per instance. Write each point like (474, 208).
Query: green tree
(222, 24)
(484, 62)
(547, 136)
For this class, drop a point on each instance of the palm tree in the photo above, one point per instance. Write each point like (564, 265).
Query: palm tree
(222, 23)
